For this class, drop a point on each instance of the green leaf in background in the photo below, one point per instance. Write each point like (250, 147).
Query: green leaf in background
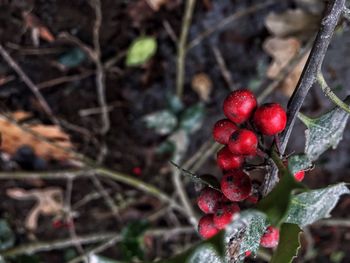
(288, 244)
(337, 256)
(276, 203)
(141, 50)
(72, 58)
(7, 238)
(181, 142)
(192, 118)
(99, 259)
(306, 208)
(132, 240)
(175, 105)
(163, 122)
(324, 132)
(241, 235)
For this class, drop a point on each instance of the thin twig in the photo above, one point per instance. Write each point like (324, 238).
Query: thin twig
(100, 74)
(312, 68)
(223, 68)
(64, 79)
(330, 94)
(109, 201)
(70, 219)
(181, 50)
(13, 64)
(43, 246)
(117, 176)
(86, 257)
(32, 248)
(226, 21)
(177, 181)
(214, 148)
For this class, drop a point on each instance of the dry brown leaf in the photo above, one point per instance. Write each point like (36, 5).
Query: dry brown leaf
(49, 201)
(202, 85)
(283, 51)
(156, 4)
(21, 115)
(14, 137)
(6, 79)
(35, 24)
(293, 22)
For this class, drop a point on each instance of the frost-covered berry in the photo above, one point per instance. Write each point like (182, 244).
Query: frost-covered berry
(222, 130)
(239, 105)
(270, 118)
(206, 227)
(236, 185)
(243, 142)
(270, 238)
(223, 216)
(226, 160)
(209, 200)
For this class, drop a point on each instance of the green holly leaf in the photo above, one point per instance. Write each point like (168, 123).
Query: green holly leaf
(175, 105)
(324, 132)
(192, 118)
(288, 244)
(72, 58)
(162, 122)
(276, 203)
(132, 240)
(242, 235)
(306, 208)
(141, 50)
(7, 237)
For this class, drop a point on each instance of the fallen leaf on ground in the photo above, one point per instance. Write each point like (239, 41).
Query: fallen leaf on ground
(6, 79)
(293, 22)
(33, 22)
(312, 6)
(13, 137)
(202, 85)
(283, 51)
(49, 202)
(156, 4)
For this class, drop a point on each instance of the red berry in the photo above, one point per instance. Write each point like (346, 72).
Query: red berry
(270, 237)
(243, 142)
(239, 105)
(223, 130)
(209, 200)
(223, 216)
(299, 176)
(206, 227)
(247, 253)
(236, 185)
(226, 160)
(270, 118)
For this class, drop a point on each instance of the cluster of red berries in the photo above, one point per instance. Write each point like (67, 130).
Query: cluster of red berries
(240, 134)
